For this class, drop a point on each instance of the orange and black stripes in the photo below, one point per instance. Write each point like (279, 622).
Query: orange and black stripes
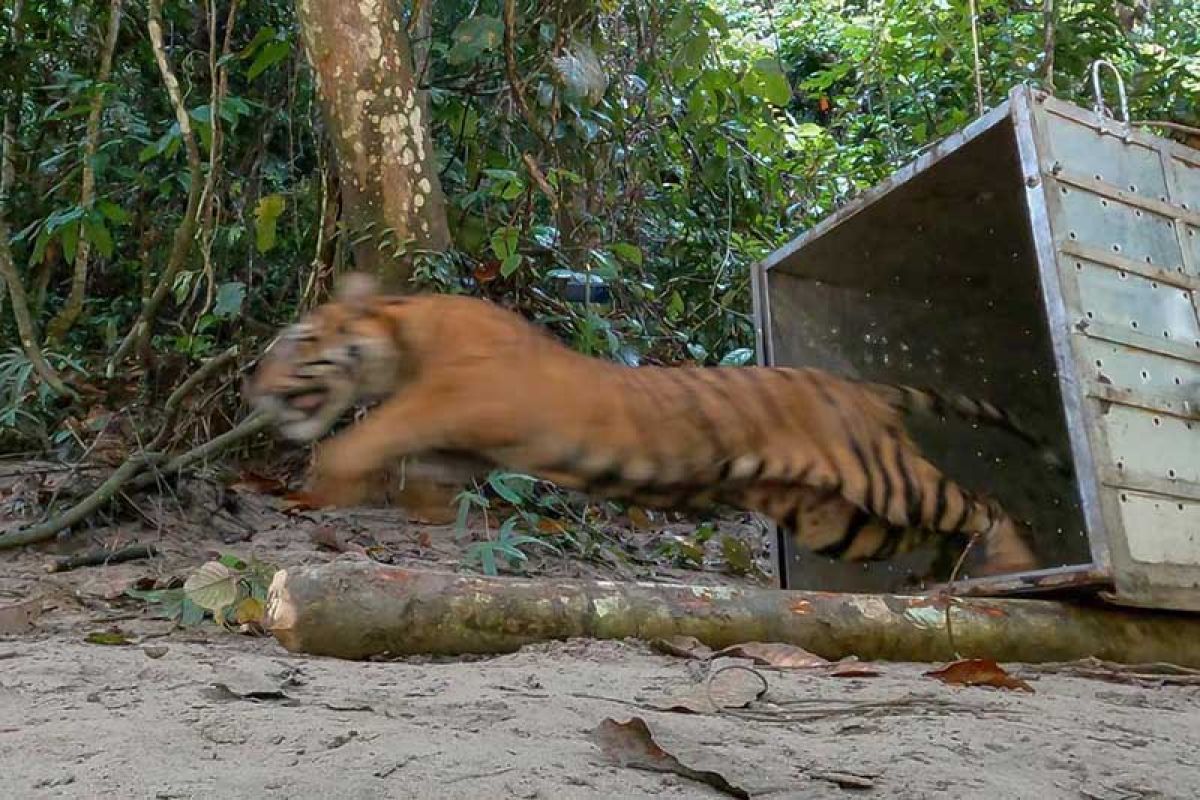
(822, 455)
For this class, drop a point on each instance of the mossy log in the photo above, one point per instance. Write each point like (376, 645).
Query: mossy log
(355, 609)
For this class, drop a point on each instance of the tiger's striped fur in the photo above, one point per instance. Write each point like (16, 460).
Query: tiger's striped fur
(463, 377)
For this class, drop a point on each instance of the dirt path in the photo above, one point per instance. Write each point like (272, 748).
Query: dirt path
(203, 713)
(88, 721)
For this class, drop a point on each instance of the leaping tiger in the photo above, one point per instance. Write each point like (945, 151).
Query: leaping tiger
(826, 457)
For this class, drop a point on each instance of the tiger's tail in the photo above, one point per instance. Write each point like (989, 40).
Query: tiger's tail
(932, 403)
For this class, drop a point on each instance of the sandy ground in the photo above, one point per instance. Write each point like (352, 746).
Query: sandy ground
(204, 713)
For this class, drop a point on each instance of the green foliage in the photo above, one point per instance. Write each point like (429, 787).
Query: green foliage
(656, 151)
(229, 590)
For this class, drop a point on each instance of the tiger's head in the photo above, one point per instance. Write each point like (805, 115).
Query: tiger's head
(336, 356)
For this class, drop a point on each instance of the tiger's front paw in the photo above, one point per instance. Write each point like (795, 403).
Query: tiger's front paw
(336, 480)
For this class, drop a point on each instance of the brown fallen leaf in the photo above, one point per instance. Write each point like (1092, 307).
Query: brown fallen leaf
(774, 654)
(638, 517)
(297, 501)
(683, 646)
(853, 669)
(734, 686)
(254, 483)
(978, 672)
(631, 744)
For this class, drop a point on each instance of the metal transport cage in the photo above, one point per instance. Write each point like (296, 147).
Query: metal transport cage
(1046, 258)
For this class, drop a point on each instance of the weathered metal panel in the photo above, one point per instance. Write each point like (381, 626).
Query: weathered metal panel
(1048, 259)
(1127, 272)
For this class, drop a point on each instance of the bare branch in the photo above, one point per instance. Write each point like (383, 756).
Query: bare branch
(62, 323)
(182, 244)
(1048, 36)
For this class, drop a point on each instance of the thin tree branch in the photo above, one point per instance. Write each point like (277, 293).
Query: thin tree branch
(25, 329)
(65, 319)
(514, 79)
(219, 80)
(182, 244)
(1049, 23)
(171, 408)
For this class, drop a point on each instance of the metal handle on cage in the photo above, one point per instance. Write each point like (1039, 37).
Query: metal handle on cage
(1098, 96)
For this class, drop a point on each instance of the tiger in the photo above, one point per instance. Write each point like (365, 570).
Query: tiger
(454, 377)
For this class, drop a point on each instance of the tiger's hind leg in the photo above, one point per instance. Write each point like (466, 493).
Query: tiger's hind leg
(906, 490)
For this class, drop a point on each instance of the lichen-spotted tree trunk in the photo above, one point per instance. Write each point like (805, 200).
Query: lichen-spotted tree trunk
(379, 124)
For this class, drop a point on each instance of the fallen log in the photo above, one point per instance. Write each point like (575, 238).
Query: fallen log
(354, 608)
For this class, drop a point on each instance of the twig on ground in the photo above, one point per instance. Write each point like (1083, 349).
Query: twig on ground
(1157, 672)
(102, 556)
(81, 510)
(128, 473)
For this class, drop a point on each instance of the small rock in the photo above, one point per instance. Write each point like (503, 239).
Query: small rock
(155, 650)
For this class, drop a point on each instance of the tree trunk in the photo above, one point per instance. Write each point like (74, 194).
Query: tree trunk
(353, 608)
(380, 129)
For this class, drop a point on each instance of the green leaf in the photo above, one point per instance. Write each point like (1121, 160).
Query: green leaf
(510, 264)
(738, 357)
(212, 587)
(607, 264)
(228, 303)
(263, 36)
(190, 614)
(98, 235)
(113, 212)
(714, 19)
(63, 217)
(675, 307)
(265, 215)
(69, 235)
(270, 55)
(809, 129)
(767, 81)
(473, 37)
(505, 241)
(627, 252)
(39, 247)
(500, 484)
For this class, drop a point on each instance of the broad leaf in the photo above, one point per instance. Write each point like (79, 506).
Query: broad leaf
(473, 37)
(212, 587)
(229, 299)
(265, 215)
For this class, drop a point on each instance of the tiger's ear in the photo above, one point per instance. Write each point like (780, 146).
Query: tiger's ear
(355, 288)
